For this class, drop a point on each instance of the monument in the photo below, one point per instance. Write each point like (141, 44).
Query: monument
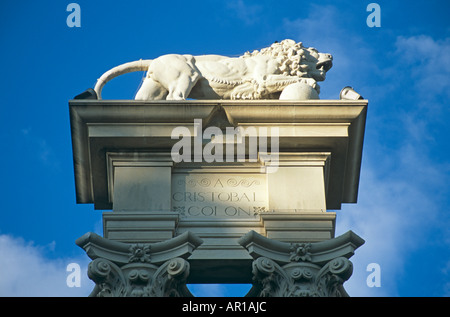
(222, 170)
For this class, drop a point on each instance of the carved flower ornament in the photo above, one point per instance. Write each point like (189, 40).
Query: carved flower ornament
(139, 253)
(300, 251)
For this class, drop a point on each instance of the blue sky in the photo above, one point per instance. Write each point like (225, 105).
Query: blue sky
(402, 68)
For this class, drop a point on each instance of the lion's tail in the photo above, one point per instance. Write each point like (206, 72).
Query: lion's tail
(136, 66)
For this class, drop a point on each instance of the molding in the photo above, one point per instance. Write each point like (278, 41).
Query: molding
(318, 252)
(120, 253)
(139, 226)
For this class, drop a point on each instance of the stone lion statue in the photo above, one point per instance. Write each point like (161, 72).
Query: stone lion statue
(262, 74)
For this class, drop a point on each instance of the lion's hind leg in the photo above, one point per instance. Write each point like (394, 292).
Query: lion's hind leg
(182, 86)
(151, 90)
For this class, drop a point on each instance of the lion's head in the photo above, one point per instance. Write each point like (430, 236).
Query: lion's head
(297, 60)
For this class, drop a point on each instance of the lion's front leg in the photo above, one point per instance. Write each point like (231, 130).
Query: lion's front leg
(276, 83)
(247, 90)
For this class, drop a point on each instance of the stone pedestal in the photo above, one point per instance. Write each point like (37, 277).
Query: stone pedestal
(293, 164)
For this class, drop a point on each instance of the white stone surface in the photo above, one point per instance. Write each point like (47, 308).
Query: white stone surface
(299, 91)
(299, 183)
(258, 75)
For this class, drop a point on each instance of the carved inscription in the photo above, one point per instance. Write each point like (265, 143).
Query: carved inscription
(228, 195)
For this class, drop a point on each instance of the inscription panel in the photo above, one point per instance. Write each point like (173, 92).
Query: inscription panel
(219, 195)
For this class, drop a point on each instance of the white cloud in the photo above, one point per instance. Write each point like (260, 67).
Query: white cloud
(446, 272)
(392, 216)
(26, 272)
(432, 56)
(427, 62)
(40, 148)
(248, 13)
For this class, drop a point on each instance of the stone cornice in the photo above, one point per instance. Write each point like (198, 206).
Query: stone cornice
(315, 252)
(120, 253)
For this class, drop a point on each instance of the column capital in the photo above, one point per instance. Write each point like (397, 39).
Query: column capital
(318, 269)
